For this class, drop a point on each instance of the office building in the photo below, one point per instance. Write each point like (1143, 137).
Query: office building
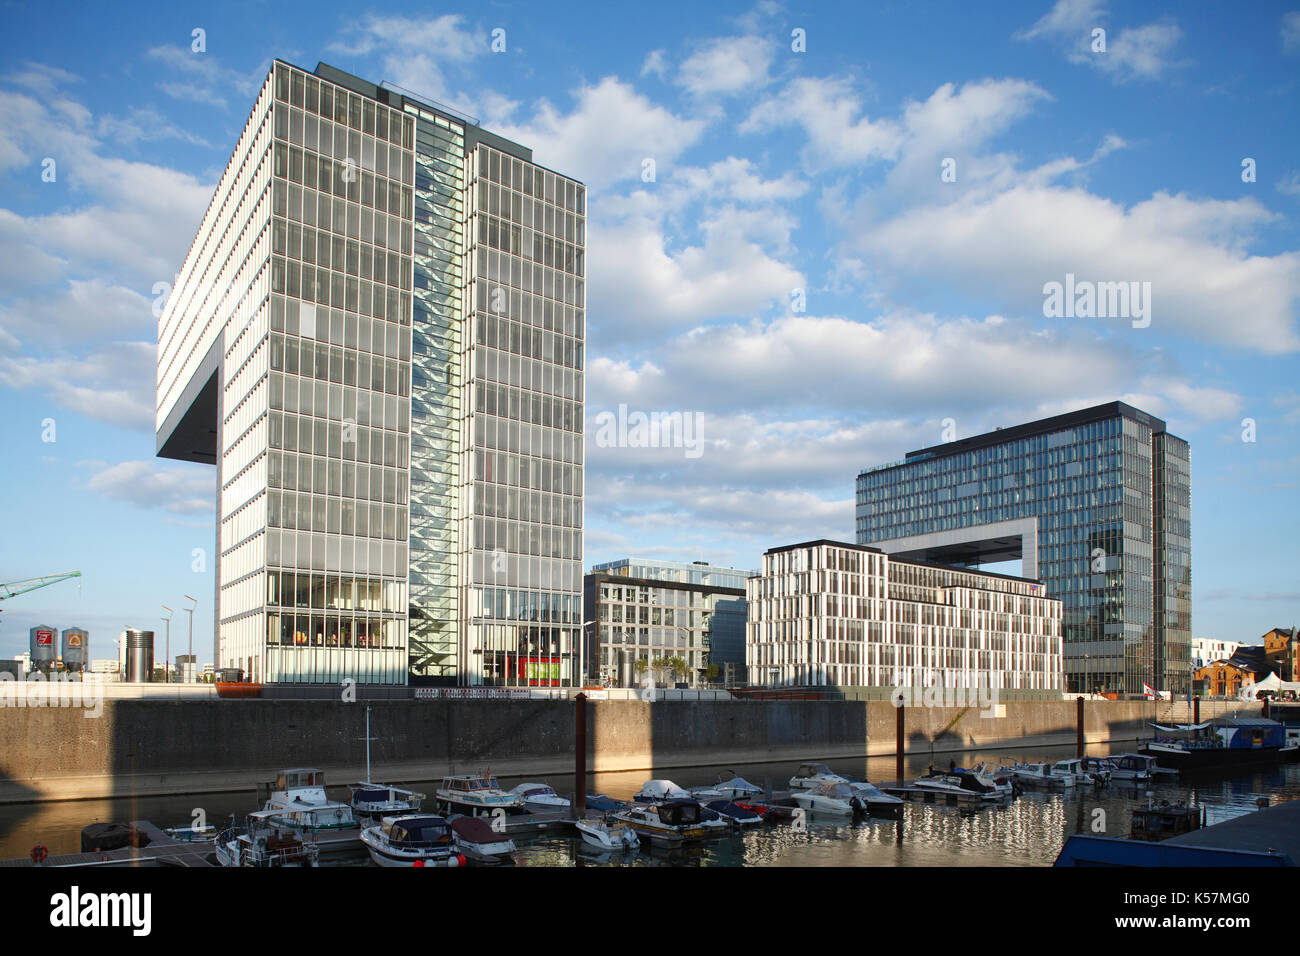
(830, 613)
(638, 609)
(377, 340)
(1207, 651)
(1095, 503)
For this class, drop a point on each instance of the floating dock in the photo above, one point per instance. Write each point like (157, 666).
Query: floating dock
(1268, 837)
(163, 850)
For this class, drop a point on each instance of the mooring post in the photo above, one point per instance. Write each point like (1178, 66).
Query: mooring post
(1078, 722)
(1196, 709)
(580, 756)
(898, 741)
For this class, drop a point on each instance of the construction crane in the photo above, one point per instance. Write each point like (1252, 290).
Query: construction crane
(15, 588)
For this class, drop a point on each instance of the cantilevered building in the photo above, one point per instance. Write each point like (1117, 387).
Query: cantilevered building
(1097, 505)
(377, 339)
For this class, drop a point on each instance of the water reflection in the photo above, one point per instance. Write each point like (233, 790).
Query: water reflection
(1028, 831)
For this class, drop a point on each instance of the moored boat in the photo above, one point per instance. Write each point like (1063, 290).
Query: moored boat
(477, 839)
(264, 842)
(475, 794)
(412, 840)
(1222, 744)
(540, 796)
(300, 803)
(668, 822)
(607, 836)
(371, 802)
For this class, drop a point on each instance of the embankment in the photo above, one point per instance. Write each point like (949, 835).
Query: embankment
(140, 747)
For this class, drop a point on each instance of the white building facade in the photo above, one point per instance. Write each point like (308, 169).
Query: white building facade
(832, 613)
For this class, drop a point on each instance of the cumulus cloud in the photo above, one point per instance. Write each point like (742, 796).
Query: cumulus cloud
(177, 489)
(608, 135)
(727, 66)
(1144, 52)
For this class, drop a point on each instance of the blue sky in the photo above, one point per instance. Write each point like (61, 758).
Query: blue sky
(774, 170)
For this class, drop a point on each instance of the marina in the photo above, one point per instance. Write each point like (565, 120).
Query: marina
(931, 828)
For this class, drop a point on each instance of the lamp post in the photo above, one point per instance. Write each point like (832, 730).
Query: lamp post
(167, 674)
(191, 613)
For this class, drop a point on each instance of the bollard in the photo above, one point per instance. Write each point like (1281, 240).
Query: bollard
(580, 756)
(898, 741)
(1078, 722)
(1196, 710)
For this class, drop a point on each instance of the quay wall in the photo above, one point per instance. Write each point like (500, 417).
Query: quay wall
(146, 747)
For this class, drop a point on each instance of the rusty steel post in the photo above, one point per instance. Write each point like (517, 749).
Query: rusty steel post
(580, 756)
(1196, 710)
(898, 741)
(1078, 721)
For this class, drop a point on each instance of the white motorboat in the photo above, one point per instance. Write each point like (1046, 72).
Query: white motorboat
(997, 781)
(480, 841)
(736, 788)
(669, 822)
(299, 802)
(811, 774)
(962, 784)
(1042, 775)
(412, 840)
(1074, 768)
(263, 842)
(829, 797)
(540, 796)
(606, 836)
(1132, 768)
(654, 791)
(875, 799)
(476, 794)
(371, 802)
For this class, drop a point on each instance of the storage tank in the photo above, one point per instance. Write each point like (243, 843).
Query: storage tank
(139, 656)
(43, 647)
(76, 648)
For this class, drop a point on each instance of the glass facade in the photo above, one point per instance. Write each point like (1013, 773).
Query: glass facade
(521, 532)
(383, 312)
(1109, 492)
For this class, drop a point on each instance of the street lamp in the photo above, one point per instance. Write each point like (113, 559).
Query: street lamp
(167, 674)
(191, 612)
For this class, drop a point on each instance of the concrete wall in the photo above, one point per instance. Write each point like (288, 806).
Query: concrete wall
(154, 747)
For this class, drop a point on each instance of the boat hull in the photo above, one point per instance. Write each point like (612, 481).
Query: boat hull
(1213, 758)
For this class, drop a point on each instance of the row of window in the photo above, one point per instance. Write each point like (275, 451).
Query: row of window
(331, 102)
(534, 540)
(328, 250)
(524, 242)
(304, 512)
(505, 170)
(498, 501)
(336, 478)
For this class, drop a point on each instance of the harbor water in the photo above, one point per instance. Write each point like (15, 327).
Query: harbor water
(1028, 831)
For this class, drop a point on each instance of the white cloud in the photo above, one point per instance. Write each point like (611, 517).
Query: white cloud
(113, 384)
(85, 309)
(828, 110)
(607, 137)
(420, 54)
(1192, 252)
(1291, 31)
(1144, 52)
(175, 488)
(727, 66)
(656, 64)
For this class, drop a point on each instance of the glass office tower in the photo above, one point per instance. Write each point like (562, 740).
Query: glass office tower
(1096, 503)
(346, 341)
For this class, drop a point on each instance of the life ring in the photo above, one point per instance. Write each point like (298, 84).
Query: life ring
(39, 853)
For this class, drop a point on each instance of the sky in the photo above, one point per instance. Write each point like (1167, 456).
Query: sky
(822, 233)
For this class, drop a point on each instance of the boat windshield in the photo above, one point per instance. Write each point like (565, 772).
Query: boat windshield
(421, 832)
(840, 790)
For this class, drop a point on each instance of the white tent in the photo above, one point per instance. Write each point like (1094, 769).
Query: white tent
(1270, 683)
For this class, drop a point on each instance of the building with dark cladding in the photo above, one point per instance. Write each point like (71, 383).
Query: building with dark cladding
(1097, 505)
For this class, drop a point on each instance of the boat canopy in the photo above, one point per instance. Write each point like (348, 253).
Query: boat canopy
(1182, 728)
(664, 789)
(740, 783)
(419, 831)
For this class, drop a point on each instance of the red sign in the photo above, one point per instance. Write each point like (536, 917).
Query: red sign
(44, 638)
